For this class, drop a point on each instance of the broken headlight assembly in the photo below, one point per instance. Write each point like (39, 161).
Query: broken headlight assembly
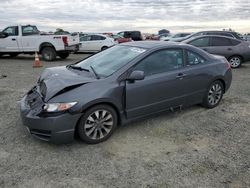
(58, 107)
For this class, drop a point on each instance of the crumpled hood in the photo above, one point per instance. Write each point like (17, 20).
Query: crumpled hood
(55, 80)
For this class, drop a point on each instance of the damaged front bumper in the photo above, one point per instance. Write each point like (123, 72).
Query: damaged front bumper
(55, 128)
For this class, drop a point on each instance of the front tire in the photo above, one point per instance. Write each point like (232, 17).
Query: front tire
(97, 124)
(48, 54)
(235, 61)
(213, 95)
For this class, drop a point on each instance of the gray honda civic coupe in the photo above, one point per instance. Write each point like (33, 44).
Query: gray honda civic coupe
(126, 82)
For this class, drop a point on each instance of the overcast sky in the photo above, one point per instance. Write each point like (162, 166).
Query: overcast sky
(117, 15)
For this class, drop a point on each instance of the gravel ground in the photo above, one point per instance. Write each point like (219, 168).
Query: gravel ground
(192, 148)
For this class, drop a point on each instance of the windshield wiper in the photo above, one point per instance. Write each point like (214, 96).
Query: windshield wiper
(96, 75)
(78, 68)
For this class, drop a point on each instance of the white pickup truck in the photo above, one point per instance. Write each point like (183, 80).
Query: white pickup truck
(27, 39)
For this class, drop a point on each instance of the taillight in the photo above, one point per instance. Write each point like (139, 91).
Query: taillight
(65, 40)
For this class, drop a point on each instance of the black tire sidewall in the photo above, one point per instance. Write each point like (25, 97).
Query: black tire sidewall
(80, 127)
(206, 103)
(104, 48)
(48, 50)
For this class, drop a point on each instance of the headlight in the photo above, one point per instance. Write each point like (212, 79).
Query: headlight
(57, 107)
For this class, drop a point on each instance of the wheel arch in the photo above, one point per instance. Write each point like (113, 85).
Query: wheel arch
(242, 58)
(104, 47)
(45, 44)
(95, 103)
(221, 80)
(111, 104)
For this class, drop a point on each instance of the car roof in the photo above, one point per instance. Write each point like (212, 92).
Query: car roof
(90, 34)
(153, 44)
(219, 36)
(216, 31)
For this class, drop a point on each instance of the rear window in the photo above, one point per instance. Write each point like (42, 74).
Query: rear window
(218, 41)
(29, 30)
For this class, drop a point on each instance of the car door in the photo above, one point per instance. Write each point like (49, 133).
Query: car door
(98, 42)
(197, 77)
(9, 43)
(221, 46)
(162, 86)
(85, 43)
(29, 38)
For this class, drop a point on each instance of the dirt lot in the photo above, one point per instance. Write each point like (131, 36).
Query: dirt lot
(192, 148)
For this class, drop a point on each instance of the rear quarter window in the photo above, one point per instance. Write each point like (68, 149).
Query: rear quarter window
(218, 41)
(235, 42)
(29, 30)
(194, 59)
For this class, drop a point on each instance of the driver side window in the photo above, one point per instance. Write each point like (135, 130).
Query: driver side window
(161, 61)
(11, 31)
(85, 38)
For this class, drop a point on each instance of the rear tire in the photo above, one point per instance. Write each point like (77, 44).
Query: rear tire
(104, 48)
(235, 61)
(213, 95)
(48, 54)
(97, 124)
(63, 55)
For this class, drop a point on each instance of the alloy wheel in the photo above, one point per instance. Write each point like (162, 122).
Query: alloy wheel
(235, 62)
(98, 124)
(215, 94)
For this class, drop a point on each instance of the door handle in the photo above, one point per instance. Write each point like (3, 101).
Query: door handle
(229, 49)
(13, 39)
(180, 76)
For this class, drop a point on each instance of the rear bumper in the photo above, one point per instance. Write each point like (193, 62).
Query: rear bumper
(57, 129)
(228, 79)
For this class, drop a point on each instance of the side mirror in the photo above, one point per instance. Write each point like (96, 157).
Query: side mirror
(136, 75)
(3, 35)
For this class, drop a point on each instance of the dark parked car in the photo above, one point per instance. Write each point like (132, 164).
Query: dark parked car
(230, 34)
(121, 39)
(121, 84)
(236, 51)
(134, 35)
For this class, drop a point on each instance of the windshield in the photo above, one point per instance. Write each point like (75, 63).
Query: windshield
(109, 61)
(240, 36)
